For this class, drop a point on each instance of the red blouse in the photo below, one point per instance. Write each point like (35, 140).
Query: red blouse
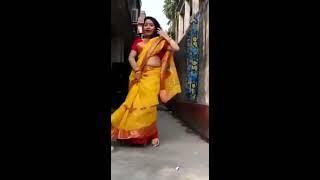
(138, 48)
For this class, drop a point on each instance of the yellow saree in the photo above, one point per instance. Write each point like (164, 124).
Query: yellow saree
(136, 117)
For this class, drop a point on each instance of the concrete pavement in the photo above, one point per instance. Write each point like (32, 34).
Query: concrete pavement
(181, 155)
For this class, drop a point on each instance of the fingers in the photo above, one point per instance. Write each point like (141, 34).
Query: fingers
(138, 77)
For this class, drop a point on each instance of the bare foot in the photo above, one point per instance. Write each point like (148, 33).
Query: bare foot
(155, 142)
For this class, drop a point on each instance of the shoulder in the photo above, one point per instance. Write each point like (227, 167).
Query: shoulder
(135, 44)
(137, 40)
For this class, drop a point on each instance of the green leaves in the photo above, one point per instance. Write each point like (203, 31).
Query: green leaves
(169, 9)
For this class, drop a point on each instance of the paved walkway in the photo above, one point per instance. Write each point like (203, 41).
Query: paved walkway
(181, 155)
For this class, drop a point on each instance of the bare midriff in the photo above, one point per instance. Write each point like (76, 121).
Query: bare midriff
(154, 61)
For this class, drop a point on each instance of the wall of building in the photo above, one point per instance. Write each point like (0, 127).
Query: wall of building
(141, 22)
(181, 65)
(193, 57)
(122, 28)
(192, 62)
(117, 49)
(186, 16)
(122, 36)
(203, 90)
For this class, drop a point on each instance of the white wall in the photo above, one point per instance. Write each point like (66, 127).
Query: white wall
(180, 29)
(195, 6)
(186, 16)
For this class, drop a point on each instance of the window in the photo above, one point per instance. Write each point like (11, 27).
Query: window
(134, 15)
(134, 3)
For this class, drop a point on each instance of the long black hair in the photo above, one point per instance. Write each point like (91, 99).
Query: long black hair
(156, 25)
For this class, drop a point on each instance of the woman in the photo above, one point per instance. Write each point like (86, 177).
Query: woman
(153, 74)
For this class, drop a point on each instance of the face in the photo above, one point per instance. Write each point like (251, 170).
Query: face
(148, 27)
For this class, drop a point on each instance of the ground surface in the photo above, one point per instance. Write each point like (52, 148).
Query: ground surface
(179, 147)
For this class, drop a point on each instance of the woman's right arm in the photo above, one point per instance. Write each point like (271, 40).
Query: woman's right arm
(132, 60)
(134, 64)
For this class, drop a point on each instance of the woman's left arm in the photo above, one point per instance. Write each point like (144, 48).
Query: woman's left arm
(173, 45)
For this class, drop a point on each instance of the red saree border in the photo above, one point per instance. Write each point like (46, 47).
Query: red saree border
(137, 134)
(140, 108)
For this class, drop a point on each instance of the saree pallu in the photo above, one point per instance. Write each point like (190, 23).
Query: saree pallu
(135, 119)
